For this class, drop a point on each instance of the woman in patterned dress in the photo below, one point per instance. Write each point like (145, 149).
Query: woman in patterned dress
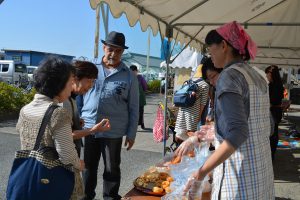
(241, 164)
(53, 83)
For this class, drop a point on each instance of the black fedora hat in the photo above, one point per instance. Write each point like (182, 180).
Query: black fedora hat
(115, 39)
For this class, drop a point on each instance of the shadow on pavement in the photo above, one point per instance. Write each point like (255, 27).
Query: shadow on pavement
(286, 165)
(146, 130)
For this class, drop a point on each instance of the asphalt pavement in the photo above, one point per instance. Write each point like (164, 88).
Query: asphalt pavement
(146, 153)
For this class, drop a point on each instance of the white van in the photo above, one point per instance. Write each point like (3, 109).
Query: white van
(30, 70)
(13, 73)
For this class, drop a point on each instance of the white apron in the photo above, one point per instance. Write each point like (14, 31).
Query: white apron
(248, 173)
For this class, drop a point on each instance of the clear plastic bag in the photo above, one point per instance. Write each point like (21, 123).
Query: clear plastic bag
(182, 171)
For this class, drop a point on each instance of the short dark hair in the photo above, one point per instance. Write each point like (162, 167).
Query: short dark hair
(85, 69)
(52, 76)
(213, 37)
(133, 68)
(207, 64)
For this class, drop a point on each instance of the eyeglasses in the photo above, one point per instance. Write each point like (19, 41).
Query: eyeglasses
(212, 77)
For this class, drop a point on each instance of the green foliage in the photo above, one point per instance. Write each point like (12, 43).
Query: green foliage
(12, 99)
(154, 86)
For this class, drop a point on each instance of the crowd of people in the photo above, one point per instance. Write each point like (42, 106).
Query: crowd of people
(105, 103)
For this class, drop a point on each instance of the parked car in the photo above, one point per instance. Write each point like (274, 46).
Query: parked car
(13, 73)
(30, 71)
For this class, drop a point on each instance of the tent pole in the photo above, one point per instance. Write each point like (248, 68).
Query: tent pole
(289, 81)
(148, 54)
(166, 98)
(105, 18)
(96, 45)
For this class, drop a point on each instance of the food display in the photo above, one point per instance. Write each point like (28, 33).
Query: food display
(154, 182)
(169, 176)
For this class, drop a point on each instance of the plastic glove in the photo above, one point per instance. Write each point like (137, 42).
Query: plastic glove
(187, 146)
(194, 185)
(206, 133)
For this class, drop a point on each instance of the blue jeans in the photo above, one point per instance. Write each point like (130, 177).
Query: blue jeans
(110, 149)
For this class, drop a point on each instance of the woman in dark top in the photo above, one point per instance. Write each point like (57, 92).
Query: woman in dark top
(276, 95)
(210, 74)
(84, 77)
(241, 164)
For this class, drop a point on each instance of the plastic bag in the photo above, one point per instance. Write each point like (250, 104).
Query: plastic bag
(182, 171)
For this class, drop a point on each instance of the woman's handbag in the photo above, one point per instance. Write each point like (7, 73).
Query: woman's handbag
(38, 174)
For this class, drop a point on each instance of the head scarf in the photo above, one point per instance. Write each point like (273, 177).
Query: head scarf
(236, 36)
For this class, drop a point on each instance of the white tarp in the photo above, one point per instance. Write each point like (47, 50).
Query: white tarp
(184, 65)
(280, 41)
(186, 59)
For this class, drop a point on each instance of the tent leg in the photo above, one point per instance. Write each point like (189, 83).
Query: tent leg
(166, 98)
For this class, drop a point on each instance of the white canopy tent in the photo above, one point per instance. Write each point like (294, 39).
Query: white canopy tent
(186, 59)
(273, 24)
(184, 64)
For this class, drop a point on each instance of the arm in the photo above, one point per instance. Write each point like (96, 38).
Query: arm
(102, 126)
(219, 156)
(63, 141)
(79, 102)
(133, 109)
(144, 83)
(203, 97)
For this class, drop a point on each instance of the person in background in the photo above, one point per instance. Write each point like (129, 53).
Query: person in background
(84, 76)
(189, 117)
(53, 83)
(276, 91)
(242, 165)
(142, 96)
(210, 74)
(162, 85)
(113, 96)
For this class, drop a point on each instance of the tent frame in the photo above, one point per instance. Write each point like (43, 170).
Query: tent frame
(172, 25)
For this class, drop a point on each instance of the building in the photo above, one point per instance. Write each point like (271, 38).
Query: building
(29, 57)
(140, 61)
(2, 55)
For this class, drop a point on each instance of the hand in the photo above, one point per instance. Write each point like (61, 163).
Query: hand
(102, 126)
(209, 118)
(82, 165)
(206, 133)
(81, 123)
(186, 146)
(129, 143)
(193, 182)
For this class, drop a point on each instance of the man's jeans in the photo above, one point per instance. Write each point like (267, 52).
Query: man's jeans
(110, 149)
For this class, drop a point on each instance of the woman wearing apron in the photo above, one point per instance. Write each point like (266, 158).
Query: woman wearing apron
(241, 162)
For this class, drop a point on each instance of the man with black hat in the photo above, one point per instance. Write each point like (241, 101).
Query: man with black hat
(114, 96)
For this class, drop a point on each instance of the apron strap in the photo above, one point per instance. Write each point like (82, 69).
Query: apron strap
(243, 71)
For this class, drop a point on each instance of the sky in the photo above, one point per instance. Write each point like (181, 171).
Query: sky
(64, 27)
